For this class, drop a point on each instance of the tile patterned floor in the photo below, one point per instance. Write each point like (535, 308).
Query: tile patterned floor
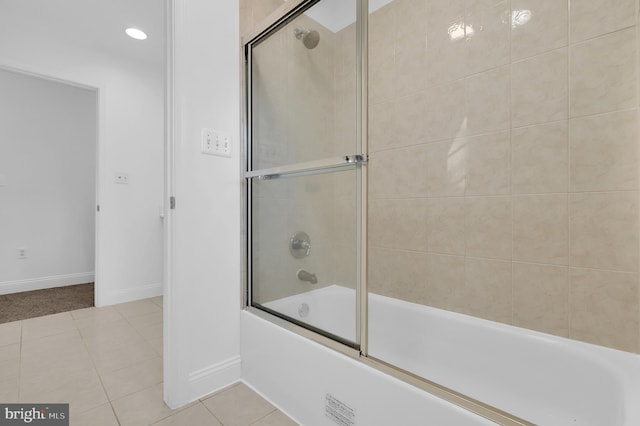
(107, 363)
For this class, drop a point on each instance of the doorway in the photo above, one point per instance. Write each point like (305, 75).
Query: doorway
(48, 174)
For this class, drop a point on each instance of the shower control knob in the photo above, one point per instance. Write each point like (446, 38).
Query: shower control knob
(300, 245)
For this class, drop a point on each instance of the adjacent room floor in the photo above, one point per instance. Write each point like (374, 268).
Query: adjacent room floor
(107, 363)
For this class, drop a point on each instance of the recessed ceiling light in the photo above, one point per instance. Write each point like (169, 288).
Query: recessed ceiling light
(136, 33)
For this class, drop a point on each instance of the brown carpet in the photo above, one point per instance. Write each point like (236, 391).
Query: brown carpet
(37, 303)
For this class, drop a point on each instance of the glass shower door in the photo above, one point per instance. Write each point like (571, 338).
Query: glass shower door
(303, 170)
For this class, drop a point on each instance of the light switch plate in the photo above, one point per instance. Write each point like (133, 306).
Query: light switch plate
(216, 143)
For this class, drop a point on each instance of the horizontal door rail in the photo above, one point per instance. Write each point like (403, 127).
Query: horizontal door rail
(343, 162)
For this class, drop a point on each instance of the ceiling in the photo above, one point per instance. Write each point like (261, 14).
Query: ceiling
(96, 25)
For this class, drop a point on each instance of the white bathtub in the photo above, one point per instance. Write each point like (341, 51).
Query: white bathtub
(541, 378)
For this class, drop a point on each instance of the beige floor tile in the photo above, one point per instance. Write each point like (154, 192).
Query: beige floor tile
(142, 408)
(9, 352)
(152, 332)
(51, 358)
(84, 318)
(157, 345)
(132, 379)
(58, 344)
(139, 307)
(47, 326)
(82, 394)
(277, 418)
(49, 380)
(10, 333)
(238, 406)
(103, 336)
(121, 356)
(9, 391)
(195, 415)
(140, 322)
(157, 300)
(99, 416)
(9, 369)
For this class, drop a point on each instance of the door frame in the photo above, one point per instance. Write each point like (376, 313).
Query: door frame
(100, 92)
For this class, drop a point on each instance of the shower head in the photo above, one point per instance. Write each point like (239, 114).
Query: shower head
(309, 38)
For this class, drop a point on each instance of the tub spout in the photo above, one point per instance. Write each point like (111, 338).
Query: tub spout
(307, 276)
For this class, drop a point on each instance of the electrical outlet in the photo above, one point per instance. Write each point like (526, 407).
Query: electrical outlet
(21, 253)
(122, 178)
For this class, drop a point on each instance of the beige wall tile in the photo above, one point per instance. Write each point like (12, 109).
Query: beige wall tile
(541, 298)
(488, 164)
(409, 124)
(382, 127)
(446, 56)
(446, 59)
(382, 25)
(604, 152)
(604, 230)
(398, 173)
(344, 221)
(411, 19)
(539, 89)
(541, 228)
(545, 30)
(488, 227)
(488, 45)
(252, 12)
(487, 97)
(602, 74)
(445, 225)
(444, 115)
(381, 73)
(397, 273)
(398, 223)
(540, 159)
(487, 290)
(410, 65)
(381, 53)
(592, 18)
(445, 11)
(604, 308)
(445, 280)
(446, 170)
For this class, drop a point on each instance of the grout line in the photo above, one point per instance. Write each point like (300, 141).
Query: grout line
(570, 48)
(511, 197)
(114, 413)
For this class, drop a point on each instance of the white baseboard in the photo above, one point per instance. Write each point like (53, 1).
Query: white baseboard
(111, 297)
(214, 377)
(18, 286)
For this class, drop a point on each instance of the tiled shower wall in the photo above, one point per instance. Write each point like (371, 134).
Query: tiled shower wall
(503, 161)
(504, 150)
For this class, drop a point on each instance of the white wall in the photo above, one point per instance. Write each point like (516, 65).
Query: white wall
(202, 298)
(131, 109)
(47, 183)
